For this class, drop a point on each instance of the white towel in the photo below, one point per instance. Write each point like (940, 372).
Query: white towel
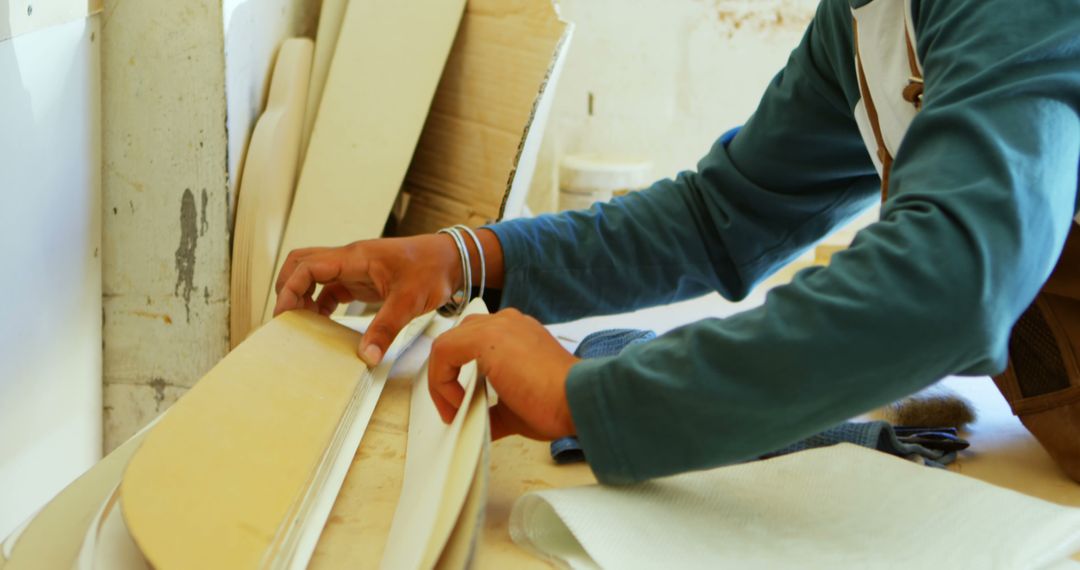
(838, 507)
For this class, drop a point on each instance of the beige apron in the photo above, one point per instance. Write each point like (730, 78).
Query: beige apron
(1042, 381)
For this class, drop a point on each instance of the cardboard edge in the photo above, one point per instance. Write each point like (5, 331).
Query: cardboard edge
(542, 103)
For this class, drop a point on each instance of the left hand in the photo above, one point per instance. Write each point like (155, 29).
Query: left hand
(522, 361)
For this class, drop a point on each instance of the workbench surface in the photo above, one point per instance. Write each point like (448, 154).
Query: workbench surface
(1002, 453)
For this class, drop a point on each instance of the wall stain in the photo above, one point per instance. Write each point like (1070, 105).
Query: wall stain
(205, 225)
(158, 384)
(185, 252)
(146, 314)
(206, 295)
(762, 16)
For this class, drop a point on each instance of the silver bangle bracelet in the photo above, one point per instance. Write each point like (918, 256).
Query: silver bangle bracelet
(459, 299)
(479, 252)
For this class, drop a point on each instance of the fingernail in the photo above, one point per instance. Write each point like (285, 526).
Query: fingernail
(371, 355)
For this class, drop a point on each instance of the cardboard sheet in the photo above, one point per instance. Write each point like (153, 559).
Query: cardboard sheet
(266, 188)
(475, 159)
(384, 72)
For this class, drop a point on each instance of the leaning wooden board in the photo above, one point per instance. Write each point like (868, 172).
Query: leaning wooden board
(384, 72)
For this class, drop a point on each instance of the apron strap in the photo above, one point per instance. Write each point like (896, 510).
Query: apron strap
(913, 94)
(871, 112)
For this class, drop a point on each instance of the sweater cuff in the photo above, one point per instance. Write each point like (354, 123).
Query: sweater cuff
(515, 249)
(589, 409)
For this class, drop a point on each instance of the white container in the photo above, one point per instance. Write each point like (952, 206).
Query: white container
(587, 179)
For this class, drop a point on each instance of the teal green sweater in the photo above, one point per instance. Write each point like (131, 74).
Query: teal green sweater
(982, 195)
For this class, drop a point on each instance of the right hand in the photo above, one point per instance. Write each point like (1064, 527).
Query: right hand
(412, 276)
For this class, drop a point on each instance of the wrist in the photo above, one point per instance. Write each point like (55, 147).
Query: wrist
(450, 261)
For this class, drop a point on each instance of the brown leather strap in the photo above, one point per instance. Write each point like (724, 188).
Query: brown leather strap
(913, 93)
(871, 112)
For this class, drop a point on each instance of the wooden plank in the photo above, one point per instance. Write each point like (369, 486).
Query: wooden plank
(331, 15)
(388, 61)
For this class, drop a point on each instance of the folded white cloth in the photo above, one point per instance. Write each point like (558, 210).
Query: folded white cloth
(838, 507)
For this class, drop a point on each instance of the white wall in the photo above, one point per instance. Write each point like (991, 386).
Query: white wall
(50, 316)
(667, 77)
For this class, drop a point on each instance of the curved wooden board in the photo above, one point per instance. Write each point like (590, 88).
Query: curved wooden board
(266, 187)
(212, 483)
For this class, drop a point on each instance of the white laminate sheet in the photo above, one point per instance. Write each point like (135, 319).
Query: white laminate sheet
(838, 507)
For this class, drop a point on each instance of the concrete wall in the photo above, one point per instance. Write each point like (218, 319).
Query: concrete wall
(662, 79)
(183, 84)
(166, 200)
(50, 320)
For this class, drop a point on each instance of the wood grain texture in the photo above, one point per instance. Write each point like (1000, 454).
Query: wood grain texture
(355, 535)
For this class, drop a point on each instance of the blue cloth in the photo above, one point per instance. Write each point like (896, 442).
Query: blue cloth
(873, 435)
(983, 191)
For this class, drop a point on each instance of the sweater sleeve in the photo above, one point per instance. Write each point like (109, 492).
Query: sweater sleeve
(794, 171)
(983, 191)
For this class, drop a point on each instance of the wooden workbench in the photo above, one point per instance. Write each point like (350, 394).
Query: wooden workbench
(1002, 453)
(356, 532)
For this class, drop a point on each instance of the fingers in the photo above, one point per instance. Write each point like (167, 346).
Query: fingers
(396, 312)
(452, 350)
(332, 295)
(307, 273)
(294, 258)
(447, 410)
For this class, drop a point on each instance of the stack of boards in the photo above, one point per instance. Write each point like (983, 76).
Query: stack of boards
(214, 484)
(437, 105)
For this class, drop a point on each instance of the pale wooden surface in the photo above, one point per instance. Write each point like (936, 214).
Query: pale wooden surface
(262, 418)
(1002, 453)
(355, 534)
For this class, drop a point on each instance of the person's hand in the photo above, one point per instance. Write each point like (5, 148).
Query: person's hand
(412, 276)
(522, 361)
